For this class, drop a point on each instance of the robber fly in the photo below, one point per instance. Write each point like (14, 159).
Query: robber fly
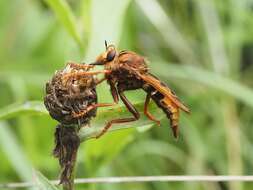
(71, 101)
(126, 70)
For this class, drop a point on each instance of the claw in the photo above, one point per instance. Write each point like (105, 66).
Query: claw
(158, 123)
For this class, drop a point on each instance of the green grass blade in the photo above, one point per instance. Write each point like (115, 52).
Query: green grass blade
(213, 28)
(43, 183)
(16, 109)
(170, 33)
(165, 150)
(67, 18)
(109, 21)
(14, 153)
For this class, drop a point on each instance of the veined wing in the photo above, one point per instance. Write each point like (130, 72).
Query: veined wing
(163, 89)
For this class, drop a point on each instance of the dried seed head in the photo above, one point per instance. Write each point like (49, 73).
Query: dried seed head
(67, 96)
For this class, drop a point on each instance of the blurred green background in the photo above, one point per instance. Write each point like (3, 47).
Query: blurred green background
(203, 49)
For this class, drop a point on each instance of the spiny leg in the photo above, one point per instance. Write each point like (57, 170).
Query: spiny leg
(100, 80)
(84, 73)
(110, 123)
(89, 108)
(79, 66)
(114, 92)
(130, 108)
(147, 113)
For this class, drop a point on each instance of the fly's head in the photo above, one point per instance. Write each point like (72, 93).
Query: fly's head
(108, 58)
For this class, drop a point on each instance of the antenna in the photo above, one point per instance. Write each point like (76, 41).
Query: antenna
(106, 44)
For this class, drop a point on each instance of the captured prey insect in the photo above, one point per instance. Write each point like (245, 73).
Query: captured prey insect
(71, 101)
(126, 70)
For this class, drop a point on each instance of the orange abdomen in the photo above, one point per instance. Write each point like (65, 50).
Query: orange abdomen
(169, 108)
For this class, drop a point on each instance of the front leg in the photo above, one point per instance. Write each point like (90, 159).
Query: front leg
(79, 65)
(84, 73)
(76, 75)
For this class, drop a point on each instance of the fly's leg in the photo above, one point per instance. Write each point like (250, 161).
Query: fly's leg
(89, 108)
(130, 107)
(147, 113)
(79, 66)
(110, 123)
(100, 80)
(77, 75)
(114, 92)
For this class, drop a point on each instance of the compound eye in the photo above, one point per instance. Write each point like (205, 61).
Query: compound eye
(110, 55)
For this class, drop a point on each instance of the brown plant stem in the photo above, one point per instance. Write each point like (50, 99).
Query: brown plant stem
(66, 147)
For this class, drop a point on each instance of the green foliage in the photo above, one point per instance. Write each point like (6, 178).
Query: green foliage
(17, 109)
(13, 152)
(43, 183)
(201, 49)
(67, 18)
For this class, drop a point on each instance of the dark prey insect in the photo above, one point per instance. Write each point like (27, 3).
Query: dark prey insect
(126, 70)
(71, 101)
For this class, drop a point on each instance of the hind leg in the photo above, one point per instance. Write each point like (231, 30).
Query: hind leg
(89, 108)
(147, 113)
(131, 109)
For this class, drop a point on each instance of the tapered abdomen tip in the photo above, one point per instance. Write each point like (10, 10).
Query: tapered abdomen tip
(175, 131)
